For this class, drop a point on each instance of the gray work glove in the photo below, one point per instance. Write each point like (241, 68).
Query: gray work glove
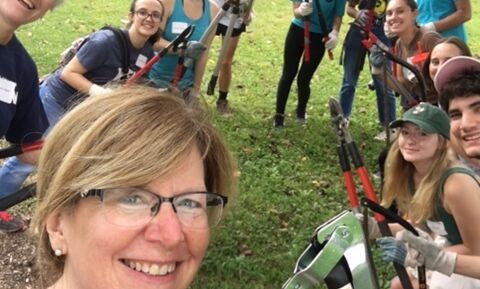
(397, 251)
(377, 60)
(373, 229)
(194, 49)
(434, 257)
(362, 17)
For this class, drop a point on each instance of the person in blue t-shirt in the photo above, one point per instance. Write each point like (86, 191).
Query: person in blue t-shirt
(22, 118)
(332, 13)
(179, 15)
(97, 63)
(444, 16)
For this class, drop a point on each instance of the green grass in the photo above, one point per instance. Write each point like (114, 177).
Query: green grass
(290, 179)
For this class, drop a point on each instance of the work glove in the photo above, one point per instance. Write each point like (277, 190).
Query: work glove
(332, 40)
(96, 89)
(362, 17)
(397, 251)
(434, 257)
(305, 9)
(388, 31)
(194, 49)
(428, 27)
(191, 97)
(377, 60)
(373, 229)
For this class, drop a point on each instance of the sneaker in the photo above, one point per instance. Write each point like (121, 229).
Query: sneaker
(9, 223)
(371, 85)
(302, 119)
(278, 121)
(222, 107)
(382, 136)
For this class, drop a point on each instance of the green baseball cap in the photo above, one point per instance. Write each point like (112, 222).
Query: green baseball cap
(429, 118)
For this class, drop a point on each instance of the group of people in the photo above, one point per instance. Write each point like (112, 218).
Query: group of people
(434, 184)
(431, 170)
(95, 172)
(399, 24)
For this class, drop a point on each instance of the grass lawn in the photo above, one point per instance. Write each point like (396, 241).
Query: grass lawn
(290, 179)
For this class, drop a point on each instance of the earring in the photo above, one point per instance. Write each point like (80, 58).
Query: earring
(58, 252)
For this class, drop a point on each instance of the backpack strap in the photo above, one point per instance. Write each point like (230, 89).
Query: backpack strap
(122, 40)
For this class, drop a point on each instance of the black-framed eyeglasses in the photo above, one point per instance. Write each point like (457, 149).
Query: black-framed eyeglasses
(135, 207)
(144, 14)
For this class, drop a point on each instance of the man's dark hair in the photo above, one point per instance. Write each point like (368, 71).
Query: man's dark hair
(463, 85)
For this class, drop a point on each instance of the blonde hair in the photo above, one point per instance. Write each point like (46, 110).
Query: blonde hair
(129, 137)
(420, 204)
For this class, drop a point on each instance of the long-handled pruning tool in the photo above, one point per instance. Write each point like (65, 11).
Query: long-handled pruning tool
(185, 34)
(346, 146)
(339, 253)
(306, 37)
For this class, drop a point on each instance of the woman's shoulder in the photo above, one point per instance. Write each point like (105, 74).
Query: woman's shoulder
(459, 180)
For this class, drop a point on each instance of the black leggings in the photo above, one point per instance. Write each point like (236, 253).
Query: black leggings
(292, 54)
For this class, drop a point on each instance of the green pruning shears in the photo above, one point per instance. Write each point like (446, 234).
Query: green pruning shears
(336, 255)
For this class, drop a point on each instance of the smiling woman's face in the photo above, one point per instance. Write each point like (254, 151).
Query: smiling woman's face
(400, 17)
(158, 255)
(441, 53)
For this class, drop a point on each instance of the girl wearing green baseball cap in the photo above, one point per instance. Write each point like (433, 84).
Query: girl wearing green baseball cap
(431, 189)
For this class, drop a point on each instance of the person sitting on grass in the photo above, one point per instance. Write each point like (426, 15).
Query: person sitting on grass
(130, 186)
(22, 118)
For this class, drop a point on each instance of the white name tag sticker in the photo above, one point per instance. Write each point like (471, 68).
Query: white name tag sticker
(141, 60)
(7, 91)
(178, 27)
(437, 227)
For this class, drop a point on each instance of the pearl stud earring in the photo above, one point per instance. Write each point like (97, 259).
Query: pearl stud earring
(58, 252)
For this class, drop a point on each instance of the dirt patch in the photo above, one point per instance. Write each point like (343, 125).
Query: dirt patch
(17, 253)
(17, 258)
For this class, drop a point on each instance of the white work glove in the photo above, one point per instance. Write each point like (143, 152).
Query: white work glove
(96, 89)
(388, 30)
(373, 229)
(362, 17)
(434, 257)
(428, 27)
(305, 9)
(332, 41)
(194, 49)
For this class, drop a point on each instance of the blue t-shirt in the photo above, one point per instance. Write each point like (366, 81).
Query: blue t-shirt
(434, 10)
(22, 118)
(102, 57)
(163, 71)
(330, 8)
